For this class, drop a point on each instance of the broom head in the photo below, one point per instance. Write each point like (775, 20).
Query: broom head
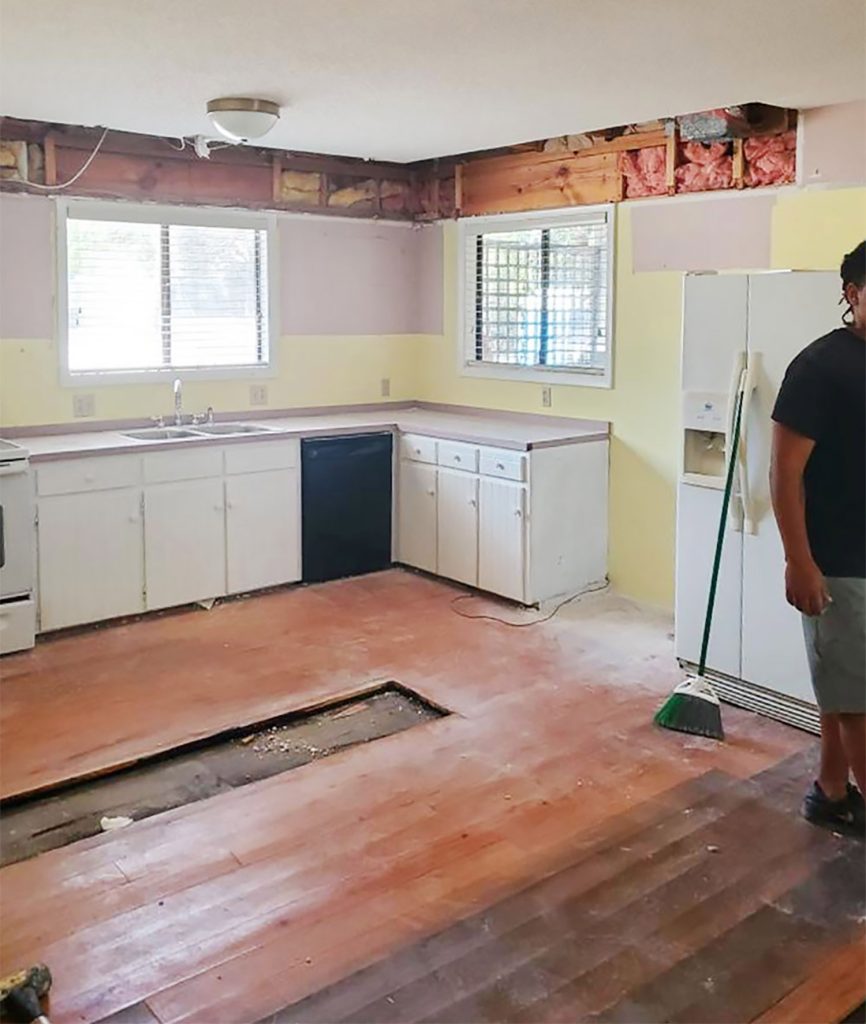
(692, 708)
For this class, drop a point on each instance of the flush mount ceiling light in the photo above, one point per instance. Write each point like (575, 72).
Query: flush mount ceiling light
(240, 119)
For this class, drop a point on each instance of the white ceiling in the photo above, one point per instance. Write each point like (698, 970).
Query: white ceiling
(409, 79)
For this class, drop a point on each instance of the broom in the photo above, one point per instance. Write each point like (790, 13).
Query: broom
(693, 707)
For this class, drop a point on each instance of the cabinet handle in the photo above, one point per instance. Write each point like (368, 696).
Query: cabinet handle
(518, 513)
(432, 493)
(456, 458)
(417, 451)
(500, 465)
(473, 502)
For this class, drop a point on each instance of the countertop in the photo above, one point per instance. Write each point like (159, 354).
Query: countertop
(521, 432)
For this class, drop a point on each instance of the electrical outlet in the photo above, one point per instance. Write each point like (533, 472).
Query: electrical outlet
(83, 405)
(386, 387)
(546, 398)
(258, 394)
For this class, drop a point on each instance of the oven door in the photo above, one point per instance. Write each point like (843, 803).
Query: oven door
(16, 530)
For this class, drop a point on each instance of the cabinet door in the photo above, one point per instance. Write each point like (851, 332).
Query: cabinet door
(416, 515)
(262, 530)
(91, 557)
(184, 542)
(501, 538)
(457, 525)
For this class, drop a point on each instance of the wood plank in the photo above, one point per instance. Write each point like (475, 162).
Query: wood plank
(836, 987)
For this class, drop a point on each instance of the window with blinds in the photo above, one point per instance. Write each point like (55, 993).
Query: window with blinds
(538, 293)
(149, 292)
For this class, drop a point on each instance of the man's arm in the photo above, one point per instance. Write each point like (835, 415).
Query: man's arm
(804, 582)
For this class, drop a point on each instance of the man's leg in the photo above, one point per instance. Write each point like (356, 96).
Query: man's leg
(833, 774)
(852, 732)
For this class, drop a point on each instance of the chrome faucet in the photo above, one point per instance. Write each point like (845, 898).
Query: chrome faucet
(178, 402)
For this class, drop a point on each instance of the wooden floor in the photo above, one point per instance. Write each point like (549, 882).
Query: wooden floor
(590, 863)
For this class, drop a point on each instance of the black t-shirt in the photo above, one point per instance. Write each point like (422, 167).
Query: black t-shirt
(823, 397)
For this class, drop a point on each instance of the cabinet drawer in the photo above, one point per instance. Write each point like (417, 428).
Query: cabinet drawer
(417, 448)
(261, 456)
(505, 464)
(458, 456)
(97, 474)
(189, 464)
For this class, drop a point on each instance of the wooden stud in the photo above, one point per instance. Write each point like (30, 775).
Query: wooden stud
(458, 190)
(277, 178)
(738, 164)
(50, 152)
(671, 141)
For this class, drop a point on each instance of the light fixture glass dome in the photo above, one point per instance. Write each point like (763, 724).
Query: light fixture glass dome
(240, 119)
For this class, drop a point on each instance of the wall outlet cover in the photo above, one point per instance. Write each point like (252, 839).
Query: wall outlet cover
(386, 387)
(83, 405)
(546, 398)
(258, 394)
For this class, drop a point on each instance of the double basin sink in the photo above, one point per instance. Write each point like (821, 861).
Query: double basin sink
(199, 430)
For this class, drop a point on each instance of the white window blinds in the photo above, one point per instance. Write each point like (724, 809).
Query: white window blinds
(145, 295)
(540, 295)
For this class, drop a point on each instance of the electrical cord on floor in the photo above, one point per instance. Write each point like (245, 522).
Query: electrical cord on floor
(520, 625)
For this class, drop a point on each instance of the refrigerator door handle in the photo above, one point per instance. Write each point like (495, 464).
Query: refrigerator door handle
(736, 509)
(749, 382)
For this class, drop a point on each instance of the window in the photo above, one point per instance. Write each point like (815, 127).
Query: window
(152, 291)
(537, 296)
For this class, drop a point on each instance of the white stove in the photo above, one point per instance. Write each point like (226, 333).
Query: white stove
(17, 549)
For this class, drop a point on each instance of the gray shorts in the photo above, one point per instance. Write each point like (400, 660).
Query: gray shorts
(836, 647)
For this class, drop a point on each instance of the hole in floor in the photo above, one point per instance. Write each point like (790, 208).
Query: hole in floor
(233, 758)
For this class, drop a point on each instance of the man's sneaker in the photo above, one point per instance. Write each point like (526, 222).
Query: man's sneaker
(838, 815)
(857, 805)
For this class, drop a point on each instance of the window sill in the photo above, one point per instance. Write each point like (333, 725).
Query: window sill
(110, 378)
(537, 375)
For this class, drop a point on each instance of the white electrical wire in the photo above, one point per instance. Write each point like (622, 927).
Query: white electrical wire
(77, 175)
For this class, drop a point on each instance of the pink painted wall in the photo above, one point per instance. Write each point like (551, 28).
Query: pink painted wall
(833, 144)
(336, 277)
(359, 277)
(730, 232)
(26, 268)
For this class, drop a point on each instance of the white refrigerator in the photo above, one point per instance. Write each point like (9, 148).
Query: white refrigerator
(758, 322)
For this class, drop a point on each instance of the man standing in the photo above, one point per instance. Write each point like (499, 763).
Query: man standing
(818, 484)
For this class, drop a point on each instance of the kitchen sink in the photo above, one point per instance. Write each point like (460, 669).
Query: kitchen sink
(160, 433)
(231, 428)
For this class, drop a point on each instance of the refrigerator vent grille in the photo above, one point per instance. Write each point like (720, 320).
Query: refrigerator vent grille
(767, 702)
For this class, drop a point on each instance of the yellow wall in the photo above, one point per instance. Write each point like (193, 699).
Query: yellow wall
(311, 371)
(811, 229)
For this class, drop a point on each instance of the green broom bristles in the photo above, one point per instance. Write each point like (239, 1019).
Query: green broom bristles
(692, 708)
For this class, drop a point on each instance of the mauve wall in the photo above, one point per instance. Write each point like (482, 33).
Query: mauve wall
(336, 277)
(833, 149)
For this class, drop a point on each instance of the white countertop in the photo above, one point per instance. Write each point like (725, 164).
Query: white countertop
(504, 430)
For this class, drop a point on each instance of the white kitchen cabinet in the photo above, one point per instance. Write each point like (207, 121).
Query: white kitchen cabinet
(457, 527)
(502, 538)
(263, 529)
(91, 557)
(184, 542)
(416, 515)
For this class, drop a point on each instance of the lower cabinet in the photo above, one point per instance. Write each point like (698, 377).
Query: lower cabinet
(416, 515)
(184, 542)
(502, 539)
(457, 527)
(91, 557)
(262, 530)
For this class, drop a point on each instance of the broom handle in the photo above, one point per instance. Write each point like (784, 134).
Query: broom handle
(720, 538)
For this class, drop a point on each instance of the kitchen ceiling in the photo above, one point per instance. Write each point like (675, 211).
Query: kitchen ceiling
(409, 79)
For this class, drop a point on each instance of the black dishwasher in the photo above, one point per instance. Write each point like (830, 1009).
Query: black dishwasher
(346, 506)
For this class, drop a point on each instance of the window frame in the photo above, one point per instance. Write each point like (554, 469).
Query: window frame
(468, 364)
(141, 213)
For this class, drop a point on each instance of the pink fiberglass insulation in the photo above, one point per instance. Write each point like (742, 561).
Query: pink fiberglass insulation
(769, 159)
(644, 171)
(707, 166)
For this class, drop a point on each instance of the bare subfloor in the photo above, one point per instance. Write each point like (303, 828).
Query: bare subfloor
(576, 859)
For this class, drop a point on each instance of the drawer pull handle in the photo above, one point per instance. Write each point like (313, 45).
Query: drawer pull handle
(89, 478)
(456, 458)
(432, 493)
(518, 513)
(500, 465)
(473, 502)
(417, 451)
